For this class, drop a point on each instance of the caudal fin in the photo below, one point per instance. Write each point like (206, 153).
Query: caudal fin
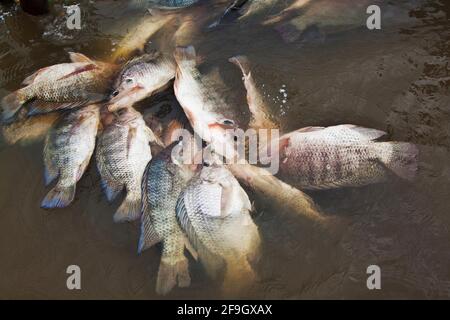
(130, 209)
(58, 197)
(185, 54)
(10, 104)
(171, 274)
(402, 158)
(239, 277)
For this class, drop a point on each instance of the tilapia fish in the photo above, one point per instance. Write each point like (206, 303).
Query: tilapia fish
(141, 77)
(68, 148)
(261, 118)
(163, 181)
(342, 156)
(123, 151)
(208, 113)
(332, 157)
(62, 86)
(214, 212)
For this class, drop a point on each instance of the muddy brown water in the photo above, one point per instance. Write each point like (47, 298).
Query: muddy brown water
(395, 79)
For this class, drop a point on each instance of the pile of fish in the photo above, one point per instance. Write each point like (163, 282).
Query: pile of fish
(199, 206)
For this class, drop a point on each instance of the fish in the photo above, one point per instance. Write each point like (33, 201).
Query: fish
(164, 179)
(61, 86)
(123, 151)
(140, 78)
(68, 148)
(261, 117)
(209, 115)
(29, 129)
(214, 211)
(317, 158)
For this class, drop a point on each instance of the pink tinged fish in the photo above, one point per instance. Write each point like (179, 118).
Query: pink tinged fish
(208, 113)
(140, 78)
(61, 86)
(343, 156)
(68, 149)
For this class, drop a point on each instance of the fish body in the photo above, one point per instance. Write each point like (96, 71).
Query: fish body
(68, 149)
(163, 181)
(123, 151)
(140, 78)
(342, 156)
(261, 117)
(208, 113)
(214, 212)
(61, 86)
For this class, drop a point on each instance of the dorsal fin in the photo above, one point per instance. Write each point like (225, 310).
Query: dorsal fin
(145, 58)
(79, 57)
(310, 129)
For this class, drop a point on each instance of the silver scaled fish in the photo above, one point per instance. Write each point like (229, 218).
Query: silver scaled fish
(164, 179)
(123, 151)
(61, 86)
(68, 149)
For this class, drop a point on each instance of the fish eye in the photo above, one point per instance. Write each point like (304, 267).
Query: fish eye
(115, 93)
(129, 80)
(228, 122)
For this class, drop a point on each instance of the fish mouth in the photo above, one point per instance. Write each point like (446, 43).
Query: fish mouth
(124, 98)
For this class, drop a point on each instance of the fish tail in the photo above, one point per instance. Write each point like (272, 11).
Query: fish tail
(239, 276)
(130, 209)
(59, 197)
(172, 273)
(11, 103)
(401, 158)
(185, 54)
(241, 62)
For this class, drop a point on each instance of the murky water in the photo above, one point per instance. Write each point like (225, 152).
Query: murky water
(333, 70)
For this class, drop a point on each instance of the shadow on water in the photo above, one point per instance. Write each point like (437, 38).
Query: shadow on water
(395, 79)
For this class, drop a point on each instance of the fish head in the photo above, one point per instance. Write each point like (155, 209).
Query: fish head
(126, 116)
(129, 90)
(224, 137)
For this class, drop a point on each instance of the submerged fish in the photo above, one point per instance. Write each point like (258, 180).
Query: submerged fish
(261, 117)
(208, 113)
(332, 157)
(163, 181)
(123, 151)
(343, 156)
(140, 78)
(68, 149)
(61, 86)
(214, 212)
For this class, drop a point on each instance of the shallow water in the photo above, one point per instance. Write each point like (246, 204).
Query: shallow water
(394, 79)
